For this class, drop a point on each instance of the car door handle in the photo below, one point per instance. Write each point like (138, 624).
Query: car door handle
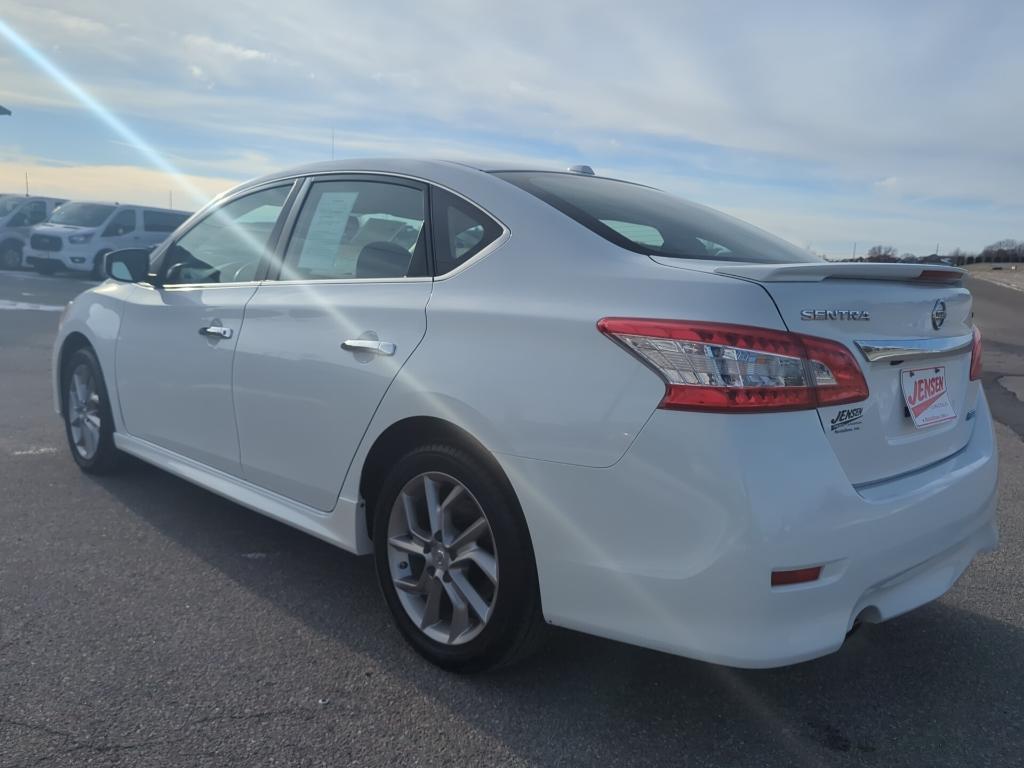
(216, 330)
(369, 345)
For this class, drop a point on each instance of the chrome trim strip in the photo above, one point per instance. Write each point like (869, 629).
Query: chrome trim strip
(904, 349)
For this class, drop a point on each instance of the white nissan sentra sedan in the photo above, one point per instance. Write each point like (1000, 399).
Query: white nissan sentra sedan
(543, 397)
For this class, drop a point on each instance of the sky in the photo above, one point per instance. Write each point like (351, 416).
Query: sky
(829, 124)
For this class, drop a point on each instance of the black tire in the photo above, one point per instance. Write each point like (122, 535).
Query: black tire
(45, 267)
(106, 458)
(516, 626)
(10, 256)
(99, 265)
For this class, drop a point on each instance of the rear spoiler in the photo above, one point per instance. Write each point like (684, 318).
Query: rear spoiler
(813, 272)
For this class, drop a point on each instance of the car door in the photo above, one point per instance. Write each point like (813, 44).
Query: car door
(177, 339)
(121, 231)
(323, 342)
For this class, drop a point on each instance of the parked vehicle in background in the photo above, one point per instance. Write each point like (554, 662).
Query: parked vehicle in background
(79, 235)
(18, 214)
(552, 397)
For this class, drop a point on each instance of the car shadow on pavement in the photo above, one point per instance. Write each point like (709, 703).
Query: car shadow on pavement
(895, 693)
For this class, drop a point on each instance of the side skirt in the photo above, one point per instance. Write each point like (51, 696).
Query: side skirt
(337, 527)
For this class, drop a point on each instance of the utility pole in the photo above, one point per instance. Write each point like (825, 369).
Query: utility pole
(26, 183)
(854, 251)
(332, 143)
(170, 198)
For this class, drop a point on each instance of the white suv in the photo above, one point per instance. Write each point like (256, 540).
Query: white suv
(18, 214)
(78, 235)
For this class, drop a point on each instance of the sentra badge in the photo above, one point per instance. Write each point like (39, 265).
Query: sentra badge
(834, 314)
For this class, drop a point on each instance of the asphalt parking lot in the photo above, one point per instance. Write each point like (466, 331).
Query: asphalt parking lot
(145, 622)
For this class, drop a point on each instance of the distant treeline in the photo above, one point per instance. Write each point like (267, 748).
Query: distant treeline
(1002, 252)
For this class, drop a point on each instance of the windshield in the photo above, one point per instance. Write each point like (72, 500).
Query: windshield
(649, 221)
(9, 205)
(81, 214)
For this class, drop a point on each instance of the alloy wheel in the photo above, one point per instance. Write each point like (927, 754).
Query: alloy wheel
(83, 405)
(442, 558)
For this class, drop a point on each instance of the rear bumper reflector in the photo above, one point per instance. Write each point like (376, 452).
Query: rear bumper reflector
(797, 576)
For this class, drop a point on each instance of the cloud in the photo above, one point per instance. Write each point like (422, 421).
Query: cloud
(867, 108)
(57, 20)
(218, 48)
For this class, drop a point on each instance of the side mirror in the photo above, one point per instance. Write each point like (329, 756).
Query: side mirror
(130, 265)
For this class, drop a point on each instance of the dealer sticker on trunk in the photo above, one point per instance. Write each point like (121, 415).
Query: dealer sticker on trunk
(924, 390)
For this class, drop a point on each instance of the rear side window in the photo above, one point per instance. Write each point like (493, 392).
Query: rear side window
(461, 230)
(121, 224)
(162, 221)
(649, 221)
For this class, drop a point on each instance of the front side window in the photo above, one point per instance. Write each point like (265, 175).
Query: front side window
(461, 230)
(653, 222)
(358, 230)
(162, 221)
(122, 224)
(227, 245)
(82, 214)
(9, 205)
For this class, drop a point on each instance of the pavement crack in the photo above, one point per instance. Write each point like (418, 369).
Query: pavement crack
(4, 720)
(267, 714)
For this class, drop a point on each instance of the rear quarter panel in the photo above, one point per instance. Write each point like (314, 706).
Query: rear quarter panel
(512, 353)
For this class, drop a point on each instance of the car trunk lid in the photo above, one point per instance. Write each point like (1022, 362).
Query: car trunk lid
(883, 313)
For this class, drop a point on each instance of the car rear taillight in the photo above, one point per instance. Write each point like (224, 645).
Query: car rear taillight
(720, 367)
(976, 355)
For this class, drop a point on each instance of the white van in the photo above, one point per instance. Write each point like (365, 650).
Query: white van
(18, 214)
(78, 235)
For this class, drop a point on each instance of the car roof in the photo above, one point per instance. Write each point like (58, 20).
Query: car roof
(430, 169)
(34, 197)
(130, 205)
(413, 166)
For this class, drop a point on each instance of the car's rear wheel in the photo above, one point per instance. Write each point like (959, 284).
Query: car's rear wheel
(10, 256)
(455, 562)
(88, 422)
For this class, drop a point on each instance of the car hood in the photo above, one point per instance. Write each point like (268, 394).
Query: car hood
(59, 229)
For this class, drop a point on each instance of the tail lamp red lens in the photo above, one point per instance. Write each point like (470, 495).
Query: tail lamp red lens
(722, 367)
(976, 355)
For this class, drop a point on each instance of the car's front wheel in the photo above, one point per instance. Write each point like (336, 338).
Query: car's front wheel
(10, 256)
(88, 421)
(454, 560)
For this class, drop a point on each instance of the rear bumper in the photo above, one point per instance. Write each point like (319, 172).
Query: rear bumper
(672, 548)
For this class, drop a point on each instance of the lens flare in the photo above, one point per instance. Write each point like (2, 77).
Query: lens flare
(115, 123)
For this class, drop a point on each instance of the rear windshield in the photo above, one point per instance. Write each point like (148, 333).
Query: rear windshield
(649, 221)
(81, 214)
